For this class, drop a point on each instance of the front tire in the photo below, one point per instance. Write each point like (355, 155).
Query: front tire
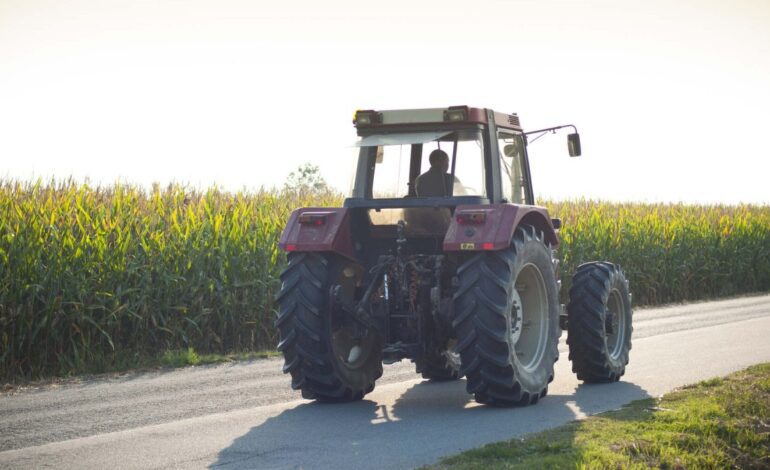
(507, 321)
(317, 346)
(599, 322)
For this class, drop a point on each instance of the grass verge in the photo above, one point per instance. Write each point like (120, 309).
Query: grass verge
(169, 358)
(189, 357)
(719, 423)
(119, 363)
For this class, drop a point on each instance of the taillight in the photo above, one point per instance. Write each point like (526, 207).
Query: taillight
(471, 218)
(311, 218)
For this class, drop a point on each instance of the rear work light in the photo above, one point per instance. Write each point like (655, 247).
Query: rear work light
(311, 218)
(471, 218)
(367, 118)
(456, 114)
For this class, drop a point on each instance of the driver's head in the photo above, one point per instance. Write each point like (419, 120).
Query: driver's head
(439, 159)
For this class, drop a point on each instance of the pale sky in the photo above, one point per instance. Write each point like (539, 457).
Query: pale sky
(672, 98)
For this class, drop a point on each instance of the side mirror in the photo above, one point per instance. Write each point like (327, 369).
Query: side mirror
(573, 144)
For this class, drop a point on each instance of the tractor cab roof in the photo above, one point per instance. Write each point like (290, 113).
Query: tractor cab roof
(371, 121)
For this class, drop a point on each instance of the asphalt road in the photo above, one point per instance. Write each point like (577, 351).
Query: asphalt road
(244, 415)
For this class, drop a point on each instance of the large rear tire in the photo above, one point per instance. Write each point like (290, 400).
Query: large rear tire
(599, 320)
(507, 321)
(315, 344)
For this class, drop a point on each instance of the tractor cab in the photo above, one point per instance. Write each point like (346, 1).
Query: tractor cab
(485, 151)
(417, 167)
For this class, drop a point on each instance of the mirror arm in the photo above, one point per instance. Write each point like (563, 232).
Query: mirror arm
(573, 140)
(551, 129)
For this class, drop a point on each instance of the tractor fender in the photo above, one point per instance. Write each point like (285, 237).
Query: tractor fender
(495, 229)
(314, 229)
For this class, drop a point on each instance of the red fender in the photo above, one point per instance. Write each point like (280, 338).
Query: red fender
(318, 229)
(496, 229)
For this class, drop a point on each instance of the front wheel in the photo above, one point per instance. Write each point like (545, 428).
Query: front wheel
(507, 321)
(326, 359)
(599, 322)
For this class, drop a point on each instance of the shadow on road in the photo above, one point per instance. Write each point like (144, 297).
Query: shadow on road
(427, 421)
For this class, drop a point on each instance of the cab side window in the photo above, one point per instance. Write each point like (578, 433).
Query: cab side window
(511, 148)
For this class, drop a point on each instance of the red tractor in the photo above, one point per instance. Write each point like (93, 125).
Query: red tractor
(440, 256)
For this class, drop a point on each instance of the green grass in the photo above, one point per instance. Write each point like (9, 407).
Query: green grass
(119, 363)
(174, 359)
(189, 357)
(719, 423)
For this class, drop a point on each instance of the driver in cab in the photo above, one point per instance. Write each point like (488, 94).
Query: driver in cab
(436, 182)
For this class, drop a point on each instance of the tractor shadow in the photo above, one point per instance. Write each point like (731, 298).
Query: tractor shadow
(426, 422)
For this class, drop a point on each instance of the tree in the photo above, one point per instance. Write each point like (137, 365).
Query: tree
(306, 178)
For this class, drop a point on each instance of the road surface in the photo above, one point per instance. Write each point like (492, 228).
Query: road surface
(244, 415)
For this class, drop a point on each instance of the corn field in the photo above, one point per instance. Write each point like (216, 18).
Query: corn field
(89, 273)
(670, 253)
